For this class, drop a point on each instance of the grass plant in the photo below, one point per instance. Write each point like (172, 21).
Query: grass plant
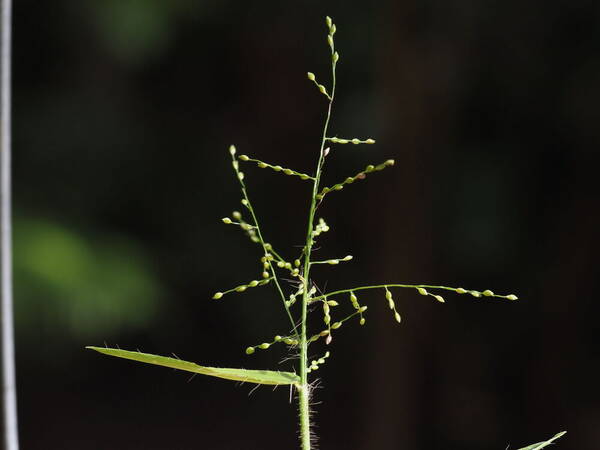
(302, 298)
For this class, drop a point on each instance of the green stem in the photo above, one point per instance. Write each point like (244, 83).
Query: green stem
(304, 411)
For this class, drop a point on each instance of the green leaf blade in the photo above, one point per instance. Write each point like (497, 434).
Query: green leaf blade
(244, 375)
(543, 444)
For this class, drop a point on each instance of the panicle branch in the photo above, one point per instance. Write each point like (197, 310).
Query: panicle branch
(287, 340)
(322, 89)
(266, 246)
(264, 165)
(243, 287)
(354, 141)
(422, 290)
(359, 176)
(315, 363)
(333, 262)
(334, 326)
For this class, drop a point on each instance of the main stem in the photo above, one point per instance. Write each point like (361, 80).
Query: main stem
(304, 394)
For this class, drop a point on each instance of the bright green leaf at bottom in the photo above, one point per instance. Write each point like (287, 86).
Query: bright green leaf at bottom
(250, 376)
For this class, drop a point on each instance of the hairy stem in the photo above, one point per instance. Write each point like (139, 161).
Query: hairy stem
(304, 410)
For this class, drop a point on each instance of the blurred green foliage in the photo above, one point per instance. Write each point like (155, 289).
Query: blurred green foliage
(138, 30)
(86, 284)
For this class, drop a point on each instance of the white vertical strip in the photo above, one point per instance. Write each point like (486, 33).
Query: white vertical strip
(9, 397)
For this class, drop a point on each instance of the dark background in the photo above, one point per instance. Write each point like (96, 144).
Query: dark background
(123, 112)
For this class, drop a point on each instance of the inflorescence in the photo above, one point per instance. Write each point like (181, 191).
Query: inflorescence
(272, 263)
